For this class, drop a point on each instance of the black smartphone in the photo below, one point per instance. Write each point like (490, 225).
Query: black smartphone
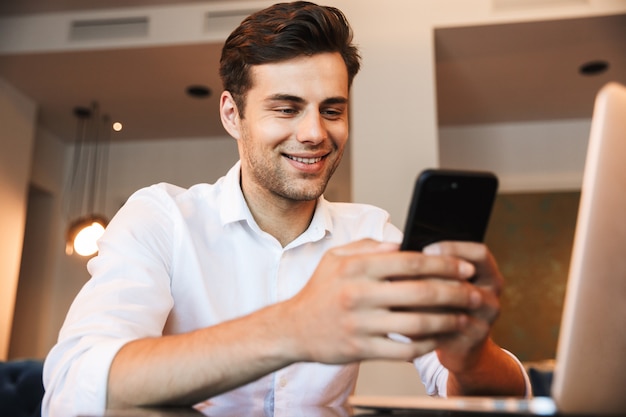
(449, 205)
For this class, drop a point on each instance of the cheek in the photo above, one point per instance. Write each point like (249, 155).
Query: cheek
(339, 135)
(268, 133)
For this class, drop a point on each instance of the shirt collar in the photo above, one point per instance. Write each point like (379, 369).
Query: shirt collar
(233, 205)
(234, 208)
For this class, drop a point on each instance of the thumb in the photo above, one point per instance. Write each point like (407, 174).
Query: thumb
(365, 246)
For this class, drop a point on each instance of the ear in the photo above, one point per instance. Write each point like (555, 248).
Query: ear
(230, 115)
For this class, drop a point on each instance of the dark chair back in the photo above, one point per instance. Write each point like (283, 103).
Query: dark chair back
(21, 388)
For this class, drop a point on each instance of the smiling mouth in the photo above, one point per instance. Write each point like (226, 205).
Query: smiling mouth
(305, 160)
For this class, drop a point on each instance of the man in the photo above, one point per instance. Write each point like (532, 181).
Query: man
(256, 290)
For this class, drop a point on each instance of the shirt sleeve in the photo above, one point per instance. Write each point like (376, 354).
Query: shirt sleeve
(128, 297)
(434, 375)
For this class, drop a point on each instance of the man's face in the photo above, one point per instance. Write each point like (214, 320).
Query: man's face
(295, 127)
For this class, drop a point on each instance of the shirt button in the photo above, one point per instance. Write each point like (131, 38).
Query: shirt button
(283, 382)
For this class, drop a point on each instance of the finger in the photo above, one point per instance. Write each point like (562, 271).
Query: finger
(404, 265)
(421, 294)
(418, 325)
(364, 246)
(487, 272)
(383, 347)
(473, 331)
(453, 348)
(477, 253)
(489, 310)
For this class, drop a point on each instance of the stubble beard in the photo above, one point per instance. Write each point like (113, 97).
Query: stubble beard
(268, 175)
(279, 182)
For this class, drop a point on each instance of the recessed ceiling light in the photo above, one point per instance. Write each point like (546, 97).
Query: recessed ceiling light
(198, 91)
(117, 126)
(596, 67)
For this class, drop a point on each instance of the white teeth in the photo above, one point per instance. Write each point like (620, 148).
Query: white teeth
(305, 160)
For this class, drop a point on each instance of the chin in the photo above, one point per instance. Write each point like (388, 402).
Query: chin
(299, 195)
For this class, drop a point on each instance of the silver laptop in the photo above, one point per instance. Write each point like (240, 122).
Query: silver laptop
(590, 370)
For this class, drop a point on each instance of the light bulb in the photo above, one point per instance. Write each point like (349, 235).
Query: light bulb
(85, 241)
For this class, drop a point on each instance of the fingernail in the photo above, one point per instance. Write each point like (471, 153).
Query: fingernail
(476, 299)
(466, 269)
(433, 249)
(387, 246)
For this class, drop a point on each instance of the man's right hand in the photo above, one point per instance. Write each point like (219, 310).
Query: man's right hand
(364, 291)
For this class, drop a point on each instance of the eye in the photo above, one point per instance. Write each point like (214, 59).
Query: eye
(332, 113)
(287, 110)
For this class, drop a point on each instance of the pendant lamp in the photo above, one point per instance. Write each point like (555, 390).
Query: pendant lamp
(86, 185)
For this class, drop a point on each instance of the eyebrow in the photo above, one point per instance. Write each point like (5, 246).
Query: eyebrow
(297, 99)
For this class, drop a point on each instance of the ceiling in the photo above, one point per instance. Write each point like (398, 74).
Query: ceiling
(38, 6)
(485, 74)
(143, 88)
(526, 71)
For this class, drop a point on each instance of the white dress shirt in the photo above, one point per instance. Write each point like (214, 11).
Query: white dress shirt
(174, 260)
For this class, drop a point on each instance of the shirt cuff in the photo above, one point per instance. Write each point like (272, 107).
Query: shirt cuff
(528, 390)
(93, 375)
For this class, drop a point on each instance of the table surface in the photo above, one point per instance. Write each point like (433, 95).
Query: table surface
(297, 412)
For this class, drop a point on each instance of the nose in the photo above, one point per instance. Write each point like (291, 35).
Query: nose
(311, 128)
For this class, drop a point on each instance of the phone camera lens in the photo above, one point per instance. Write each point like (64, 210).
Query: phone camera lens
(454, 185)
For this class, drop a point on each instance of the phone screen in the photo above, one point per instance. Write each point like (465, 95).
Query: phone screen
(449, 205)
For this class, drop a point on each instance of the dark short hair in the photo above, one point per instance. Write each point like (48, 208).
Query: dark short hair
(281, 32)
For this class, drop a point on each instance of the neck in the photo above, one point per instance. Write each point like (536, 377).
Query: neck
(282, 218)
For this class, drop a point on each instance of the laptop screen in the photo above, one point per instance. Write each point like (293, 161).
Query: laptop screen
(590, 373)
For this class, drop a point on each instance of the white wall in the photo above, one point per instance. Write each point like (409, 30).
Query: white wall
(531, 156)
(48, 176)
(17, 124)
(183, 162)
